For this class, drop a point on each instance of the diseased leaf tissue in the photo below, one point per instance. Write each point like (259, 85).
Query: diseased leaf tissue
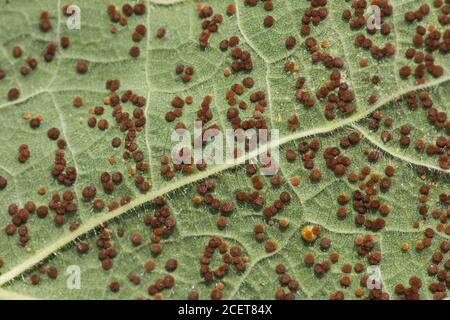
(93, 205)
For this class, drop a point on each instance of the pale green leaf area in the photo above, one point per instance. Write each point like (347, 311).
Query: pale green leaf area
(50, 89)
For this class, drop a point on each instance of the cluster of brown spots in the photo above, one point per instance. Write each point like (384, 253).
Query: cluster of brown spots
(127, 11)
(182, 162)
(441, 215)
(162, 224)
(142, 184)
(424, 191)
(375, 294)
(225, 207)
(19, 219)
(441, 147)
(232, 42)
(166, 282)
(411, 293)
(337, 295)
(375, 120)
(320, 268)
(372, 155)
(254, 198)
(439, 120)
(36, 121)
(286, 281)
(139, 33)
(425, 60)
(439, 287)
(184, 72)
(166, 170)
(209, 26)
(423, 10)
(230, 256)
(62, 205)
(110, 180)
(205, 186)
(314, 14)
(25, 69)
(115, 15)
(343, 99)
(359, 20)
(426, 240)
(405, 130)
(335, 161)
(242, 60)
(366, 201)
(377, 53)
(259, 232)
(364, 244)
(128, 125)
(64, 175)
(233, 117)
(204, 113)
(49, 53)
(138, 9)
(106, 249)
(308, 150)
(328, 61)
(44, 22)
(268, 6)
(24, 153)
(349, 140)
(270, 211)
(304, 98)
(236, 89)
(444, 17)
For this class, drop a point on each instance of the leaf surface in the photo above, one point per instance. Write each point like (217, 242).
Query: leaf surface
(51, 88)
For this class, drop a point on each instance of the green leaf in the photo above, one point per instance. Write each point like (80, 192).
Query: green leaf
(50, 89)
